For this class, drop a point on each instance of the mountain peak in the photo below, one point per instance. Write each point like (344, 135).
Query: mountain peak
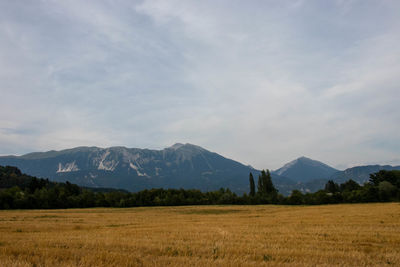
(176, 146)
(186, 146)
(306, 160)
(305, 169)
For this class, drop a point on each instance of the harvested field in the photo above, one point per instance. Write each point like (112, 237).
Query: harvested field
(345, 235)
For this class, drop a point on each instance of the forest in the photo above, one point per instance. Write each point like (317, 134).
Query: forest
(21, 191)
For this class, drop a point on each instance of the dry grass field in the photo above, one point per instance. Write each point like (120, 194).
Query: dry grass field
(342, 235)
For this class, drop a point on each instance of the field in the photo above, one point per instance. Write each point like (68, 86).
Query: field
(349, 235)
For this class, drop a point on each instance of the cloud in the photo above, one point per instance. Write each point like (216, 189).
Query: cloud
(260, 82)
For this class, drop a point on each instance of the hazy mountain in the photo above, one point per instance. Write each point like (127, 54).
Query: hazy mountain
(360, 174)
(304, 170)
(134, 169)
(311, 175)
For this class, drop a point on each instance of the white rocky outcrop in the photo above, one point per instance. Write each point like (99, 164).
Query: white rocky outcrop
(67, 167)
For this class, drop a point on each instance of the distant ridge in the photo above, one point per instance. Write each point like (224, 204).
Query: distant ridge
(360, 174)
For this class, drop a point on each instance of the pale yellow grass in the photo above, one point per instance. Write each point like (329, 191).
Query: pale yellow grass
(342, 235)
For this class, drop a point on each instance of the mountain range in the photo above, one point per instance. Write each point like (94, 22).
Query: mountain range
(179, 166)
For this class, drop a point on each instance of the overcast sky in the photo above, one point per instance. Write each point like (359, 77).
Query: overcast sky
(261, 82)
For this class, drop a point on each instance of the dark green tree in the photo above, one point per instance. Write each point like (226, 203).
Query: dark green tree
(386, 191)
(331, 187)
(262, 183)
(266, 190)
(392, 177)
(252, 185)
(295, 198)
(260, 188)
(350, 185)
(268, 185)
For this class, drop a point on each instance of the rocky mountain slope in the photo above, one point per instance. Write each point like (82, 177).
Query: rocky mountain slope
(134, 169)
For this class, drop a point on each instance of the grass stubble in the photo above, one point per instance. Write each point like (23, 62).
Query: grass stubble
(331, 235)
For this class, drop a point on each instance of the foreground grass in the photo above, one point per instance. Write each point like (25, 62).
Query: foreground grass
(350, 235)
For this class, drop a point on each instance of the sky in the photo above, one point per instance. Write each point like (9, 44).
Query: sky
(261, 82)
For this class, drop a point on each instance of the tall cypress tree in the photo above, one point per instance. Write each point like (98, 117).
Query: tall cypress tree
(264, 182)
(269, 186)
(252, 185)
(260, 189)
(271, 191)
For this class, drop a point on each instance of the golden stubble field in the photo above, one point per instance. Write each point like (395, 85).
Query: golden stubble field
(342, 235)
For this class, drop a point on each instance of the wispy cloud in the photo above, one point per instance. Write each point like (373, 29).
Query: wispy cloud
(261, 82)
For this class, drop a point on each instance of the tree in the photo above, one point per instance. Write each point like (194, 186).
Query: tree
(295, 198)
(392, 177)
(386, 191)
(331, 187)
(350, 185)
(268, 185)
(260, 189)
(252, 185)
(263, 183)
(266, 190)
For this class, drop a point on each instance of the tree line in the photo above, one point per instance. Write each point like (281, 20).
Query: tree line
(383, 186)
(20, 191)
